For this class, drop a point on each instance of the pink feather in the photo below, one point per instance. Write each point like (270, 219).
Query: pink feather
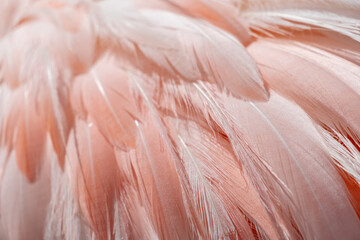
(179, 119)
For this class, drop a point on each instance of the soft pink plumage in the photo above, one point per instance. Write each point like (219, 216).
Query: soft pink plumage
(179, 119)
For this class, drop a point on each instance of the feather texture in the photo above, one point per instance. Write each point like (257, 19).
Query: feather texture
(176, 49)
(169, 119)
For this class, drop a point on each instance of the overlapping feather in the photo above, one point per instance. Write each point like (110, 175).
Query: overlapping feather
(165, 120)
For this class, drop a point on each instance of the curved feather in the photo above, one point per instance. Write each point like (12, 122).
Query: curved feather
(184, 49)
(178, 119)
(303, 169)
(217, 13)
(318, 90)
(207, 156)
(94, 176)
(278, 21)
(105, 97)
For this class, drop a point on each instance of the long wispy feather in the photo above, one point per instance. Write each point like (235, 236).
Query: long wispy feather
(284, 22)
